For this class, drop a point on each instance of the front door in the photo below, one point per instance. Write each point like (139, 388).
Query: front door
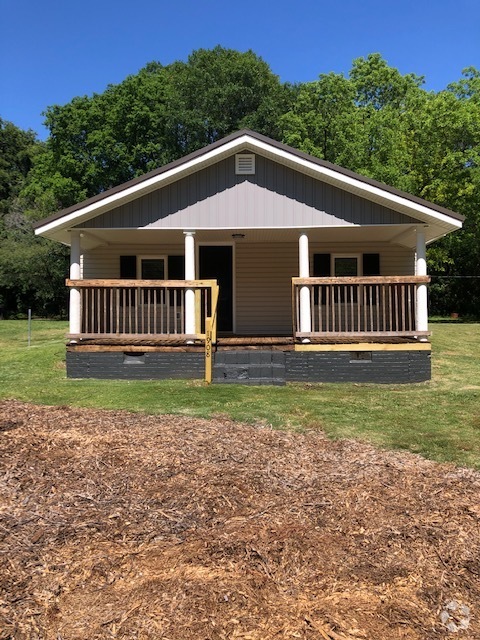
(216, 263)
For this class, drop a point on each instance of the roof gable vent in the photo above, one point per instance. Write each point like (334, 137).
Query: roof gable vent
(245, 164)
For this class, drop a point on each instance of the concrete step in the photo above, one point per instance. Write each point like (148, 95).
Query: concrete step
(259, 367)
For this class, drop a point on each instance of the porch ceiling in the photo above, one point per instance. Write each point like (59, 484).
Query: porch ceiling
(397, 234)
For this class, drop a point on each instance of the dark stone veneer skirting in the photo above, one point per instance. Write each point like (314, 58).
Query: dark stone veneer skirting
(256, 367)
(116, 365)
(387, 367)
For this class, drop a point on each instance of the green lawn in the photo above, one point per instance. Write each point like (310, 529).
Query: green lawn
(439, 419)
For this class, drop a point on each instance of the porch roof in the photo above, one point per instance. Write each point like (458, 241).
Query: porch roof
(397, 234)
(439, 220)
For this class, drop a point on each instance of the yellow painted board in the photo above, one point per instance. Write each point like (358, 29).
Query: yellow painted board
(365, 346)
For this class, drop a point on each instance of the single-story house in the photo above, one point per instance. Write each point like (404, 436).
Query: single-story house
(250, 261)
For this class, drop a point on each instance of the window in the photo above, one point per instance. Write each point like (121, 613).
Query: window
(325, 265)
(345, 266)
(151, 268)
(360, 356)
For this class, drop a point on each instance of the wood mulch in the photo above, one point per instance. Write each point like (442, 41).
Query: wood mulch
(119, 525)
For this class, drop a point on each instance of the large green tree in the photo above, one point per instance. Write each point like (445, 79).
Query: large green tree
(17, 148)
(152, 118)
(360, 122)
(32, 270)
(449, 135)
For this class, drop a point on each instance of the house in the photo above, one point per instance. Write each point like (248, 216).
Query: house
(250, 261)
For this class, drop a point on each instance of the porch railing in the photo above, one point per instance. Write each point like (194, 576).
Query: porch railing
(146, 309)
(358, 306)
(142, 308)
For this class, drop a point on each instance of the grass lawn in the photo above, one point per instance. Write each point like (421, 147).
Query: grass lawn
(439, 419)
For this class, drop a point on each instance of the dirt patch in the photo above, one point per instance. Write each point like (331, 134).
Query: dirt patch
(119, 525)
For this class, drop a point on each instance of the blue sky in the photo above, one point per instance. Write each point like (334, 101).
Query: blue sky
(54, 50)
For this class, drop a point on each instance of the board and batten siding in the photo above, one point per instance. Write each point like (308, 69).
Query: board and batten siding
(262, 275)
(275, 196)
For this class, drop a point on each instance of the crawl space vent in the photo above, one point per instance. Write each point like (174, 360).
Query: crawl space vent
(245, 164)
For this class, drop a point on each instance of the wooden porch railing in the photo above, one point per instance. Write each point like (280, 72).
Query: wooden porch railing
(359, 306)
(148, 309)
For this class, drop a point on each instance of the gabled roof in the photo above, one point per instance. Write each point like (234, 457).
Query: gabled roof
(442, 219)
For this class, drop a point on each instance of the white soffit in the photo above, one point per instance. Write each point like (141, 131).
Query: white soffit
(403, 235)
(423, 213)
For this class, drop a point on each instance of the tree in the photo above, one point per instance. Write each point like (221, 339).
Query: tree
(32, 271)
(451, 127)
(219, 91)
(32, 275)
(323, 120)
(17, 148)
(378, 86)
(149, 119)
(360, 122)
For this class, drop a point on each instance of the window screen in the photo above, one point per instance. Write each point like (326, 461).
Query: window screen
(153, 269)
(345, 267)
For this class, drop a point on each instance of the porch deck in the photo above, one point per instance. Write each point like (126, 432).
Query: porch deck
(232, 342)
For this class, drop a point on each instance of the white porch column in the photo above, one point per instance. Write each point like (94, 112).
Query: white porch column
(189, 275)
(304, 272)
(74, 306)
(421, 270)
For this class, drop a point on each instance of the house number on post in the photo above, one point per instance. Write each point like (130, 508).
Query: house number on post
(208, 351)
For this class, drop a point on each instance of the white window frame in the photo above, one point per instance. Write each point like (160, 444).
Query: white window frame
(358, 256)
(152, 257)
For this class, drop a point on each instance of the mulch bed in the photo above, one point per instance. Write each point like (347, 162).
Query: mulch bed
(119, 525)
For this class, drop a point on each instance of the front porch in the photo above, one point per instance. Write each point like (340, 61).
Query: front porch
(358, 329)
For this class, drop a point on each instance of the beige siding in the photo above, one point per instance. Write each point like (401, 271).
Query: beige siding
(263, 287)
(262, 278)
(264, 273)
(104, 262)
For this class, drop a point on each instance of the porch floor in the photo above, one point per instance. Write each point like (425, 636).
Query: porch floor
(230, 342)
